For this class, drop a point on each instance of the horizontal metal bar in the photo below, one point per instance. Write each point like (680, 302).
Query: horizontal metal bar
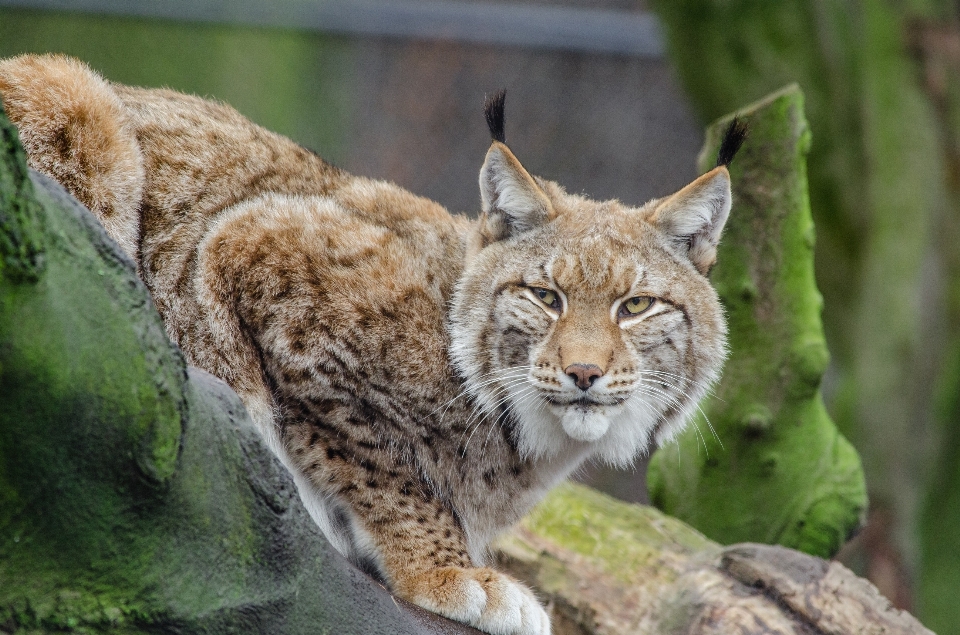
(544, 27)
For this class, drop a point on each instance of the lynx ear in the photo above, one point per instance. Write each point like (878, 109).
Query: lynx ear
(694, 216)
(512, 200)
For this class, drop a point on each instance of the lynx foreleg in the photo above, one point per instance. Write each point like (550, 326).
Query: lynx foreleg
(416, 543)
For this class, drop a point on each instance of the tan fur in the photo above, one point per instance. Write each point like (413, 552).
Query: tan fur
(74, 129)
(398, 359)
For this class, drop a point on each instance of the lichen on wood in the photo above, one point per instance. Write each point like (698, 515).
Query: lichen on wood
(781, 472)
(606, 567)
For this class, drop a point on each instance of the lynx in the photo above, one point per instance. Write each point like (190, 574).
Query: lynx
(425, 377)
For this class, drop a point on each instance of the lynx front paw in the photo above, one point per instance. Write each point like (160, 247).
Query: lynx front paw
(483, 598)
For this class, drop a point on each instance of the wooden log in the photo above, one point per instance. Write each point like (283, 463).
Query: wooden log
(610, 568)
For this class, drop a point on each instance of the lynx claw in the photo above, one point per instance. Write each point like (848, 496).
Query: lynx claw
(483, 598)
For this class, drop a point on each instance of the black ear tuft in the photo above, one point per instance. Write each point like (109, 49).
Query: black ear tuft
(732, 140)
(493, 109)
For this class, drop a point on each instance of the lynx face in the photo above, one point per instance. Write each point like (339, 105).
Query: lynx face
(592, 323)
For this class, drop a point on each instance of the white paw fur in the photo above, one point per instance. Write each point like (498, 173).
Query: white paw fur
(485, 599)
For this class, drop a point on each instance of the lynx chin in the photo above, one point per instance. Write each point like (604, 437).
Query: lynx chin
(425, 377)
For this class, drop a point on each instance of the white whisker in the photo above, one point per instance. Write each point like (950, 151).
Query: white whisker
(518, 398)
(482, 418)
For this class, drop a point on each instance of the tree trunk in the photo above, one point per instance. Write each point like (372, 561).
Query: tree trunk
(936, 40)
(783, 473)
(878, 184)
(611, 568)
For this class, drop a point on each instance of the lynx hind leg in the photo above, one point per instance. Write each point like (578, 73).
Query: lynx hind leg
(74, 129)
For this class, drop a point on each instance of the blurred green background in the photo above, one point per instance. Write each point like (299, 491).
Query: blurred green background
(882, 85)
(288, 81)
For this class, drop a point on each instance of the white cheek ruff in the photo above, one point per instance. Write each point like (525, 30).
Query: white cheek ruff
(615, 434)
(613, 431)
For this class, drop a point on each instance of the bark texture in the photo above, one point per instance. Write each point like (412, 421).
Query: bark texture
(784, 474)
(610, 568)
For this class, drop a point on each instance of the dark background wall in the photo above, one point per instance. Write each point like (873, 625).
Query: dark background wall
(609, 126)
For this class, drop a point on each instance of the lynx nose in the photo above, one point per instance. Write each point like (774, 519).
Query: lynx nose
(583, 374)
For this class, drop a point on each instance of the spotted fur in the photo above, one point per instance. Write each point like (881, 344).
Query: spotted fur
(425, 377)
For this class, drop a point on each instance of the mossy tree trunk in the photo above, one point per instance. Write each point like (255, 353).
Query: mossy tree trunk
(881, 197)
(610, 568)
(784, 474)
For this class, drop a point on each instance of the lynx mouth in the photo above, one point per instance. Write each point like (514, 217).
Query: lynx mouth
(585, 402)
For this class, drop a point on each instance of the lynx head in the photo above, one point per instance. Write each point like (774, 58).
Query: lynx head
(584, 324)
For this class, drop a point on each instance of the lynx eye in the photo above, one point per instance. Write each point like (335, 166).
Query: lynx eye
(548, 297)
(635, 306)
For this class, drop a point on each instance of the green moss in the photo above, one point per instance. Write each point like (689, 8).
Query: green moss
(72, 361)
(21, 238)
(621, 538)
(784, 474)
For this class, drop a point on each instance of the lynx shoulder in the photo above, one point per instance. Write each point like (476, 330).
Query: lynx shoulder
(425, 377)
